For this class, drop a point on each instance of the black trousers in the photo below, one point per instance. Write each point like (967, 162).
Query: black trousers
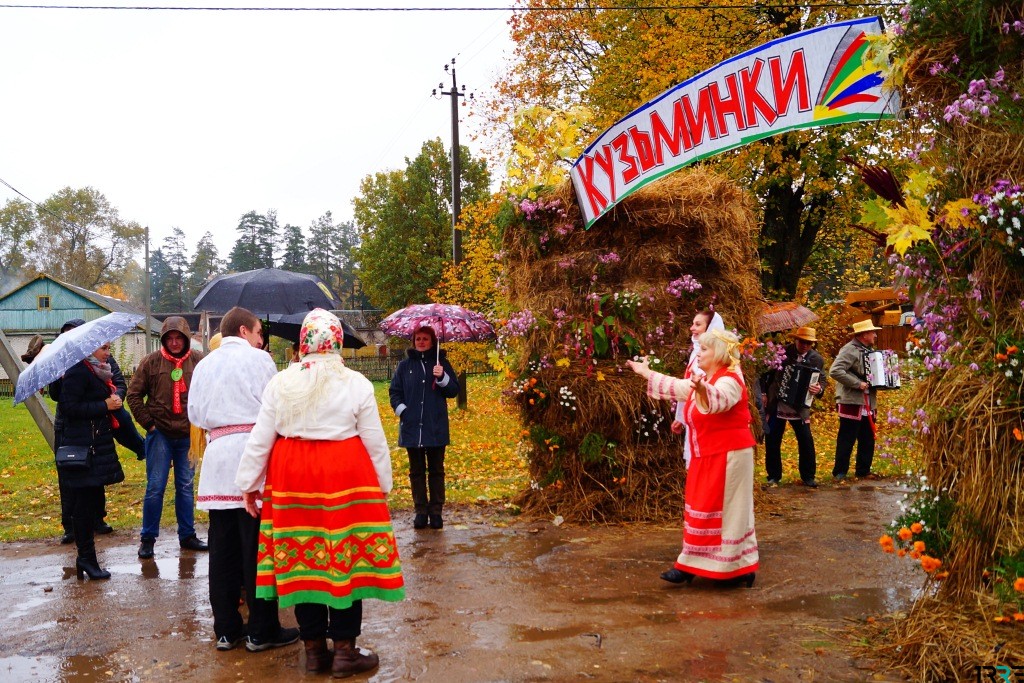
(773, 448)
(318, 621)
(86, 503)
(851, 431)
(234, 540)
(426, 469)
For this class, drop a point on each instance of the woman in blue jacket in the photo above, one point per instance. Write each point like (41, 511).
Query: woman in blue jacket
(420, 390)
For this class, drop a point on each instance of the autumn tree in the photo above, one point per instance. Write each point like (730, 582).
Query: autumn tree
(404, 221)
(86, 241)
(608, 58)
(18, 228)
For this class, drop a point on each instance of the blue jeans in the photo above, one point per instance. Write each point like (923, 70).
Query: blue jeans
(161, 453)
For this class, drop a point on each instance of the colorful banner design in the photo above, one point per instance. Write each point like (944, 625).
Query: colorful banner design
(813, 78)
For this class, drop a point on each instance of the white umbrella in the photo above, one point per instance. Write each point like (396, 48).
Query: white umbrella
(69, 348)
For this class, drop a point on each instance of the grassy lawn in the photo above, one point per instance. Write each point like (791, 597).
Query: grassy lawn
(483, 461)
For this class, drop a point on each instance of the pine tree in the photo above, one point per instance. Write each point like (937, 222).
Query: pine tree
(205, 265)
(294, 257)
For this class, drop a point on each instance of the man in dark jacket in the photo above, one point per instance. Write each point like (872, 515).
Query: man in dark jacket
(158, 397)
(779, 414)
(419, 392)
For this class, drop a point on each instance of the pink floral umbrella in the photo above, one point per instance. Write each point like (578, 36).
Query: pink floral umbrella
(449, 322)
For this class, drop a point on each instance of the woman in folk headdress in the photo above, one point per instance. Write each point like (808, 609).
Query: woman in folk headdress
(718, 523)
(705, 321)
(326, 538)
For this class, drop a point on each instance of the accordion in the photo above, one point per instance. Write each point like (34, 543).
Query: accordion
(793, 385)
(882, 369)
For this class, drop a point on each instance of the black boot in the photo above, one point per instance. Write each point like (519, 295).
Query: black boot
(87, 562)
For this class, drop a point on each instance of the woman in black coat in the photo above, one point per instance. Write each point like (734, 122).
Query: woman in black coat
(88, 398)
(419, 392)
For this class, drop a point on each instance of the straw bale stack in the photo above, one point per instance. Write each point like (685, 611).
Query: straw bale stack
(690, 223)
(985, 152)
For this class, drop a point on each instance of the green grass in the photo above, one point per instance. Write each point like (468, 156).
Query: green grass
(481, 463)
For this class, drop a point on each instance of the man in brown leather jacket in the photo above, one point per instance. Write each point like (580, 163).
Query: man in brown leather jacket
(158, 397)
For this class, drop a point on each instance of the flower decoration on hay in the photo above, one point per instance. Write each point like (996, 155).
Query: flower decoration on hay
(921, 530)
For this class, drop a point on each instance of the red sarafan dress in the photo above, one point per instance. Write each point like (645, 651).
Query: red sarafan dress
(718, 523)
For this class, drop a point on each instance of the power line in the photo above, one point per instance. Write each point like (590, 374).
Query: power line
(601, 8)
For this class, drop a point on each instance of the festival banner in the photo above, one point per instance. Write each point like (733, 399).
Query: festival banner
(817, 77)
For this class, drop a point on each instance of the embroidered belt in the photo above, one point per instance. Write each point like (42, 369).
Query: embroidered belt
(218, 432)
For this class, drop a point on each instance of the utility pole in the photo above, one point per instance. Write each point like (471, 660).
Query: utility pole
(455, 94)
(149, 298)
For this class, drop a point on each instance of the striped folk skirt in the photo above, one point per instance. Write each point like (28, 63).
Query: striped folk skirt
(325, 530)
(718, 524)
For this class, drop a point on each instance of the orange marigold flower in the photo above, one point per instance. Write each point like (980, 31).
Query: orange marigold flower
(940, 575)
(902, 552)
(915, 554)
(1017, 434)
(905, 534)
(885, 540)
(1001, 358)
(930, 564)
(1010, 350)
(1018, 616)
(1018, 585)
(1001, 619)
(917, 527)
(533, 381)
(919, 546)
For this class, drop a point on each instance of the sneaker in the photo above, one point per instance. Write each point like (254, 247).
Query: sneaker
(810, 483)
(146, 548)
(773, 482)
(286, 636)
(225, 643)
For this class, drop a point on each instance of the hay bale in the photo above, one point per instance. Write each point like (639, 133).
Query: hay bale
(689, 223)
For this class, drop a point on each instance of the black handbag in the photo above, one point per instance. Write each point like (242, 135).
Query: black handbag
(73, 457)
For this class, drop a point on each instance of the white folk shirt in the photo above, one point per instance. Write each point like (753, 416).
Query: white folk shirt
(346, 408)
(227, 386)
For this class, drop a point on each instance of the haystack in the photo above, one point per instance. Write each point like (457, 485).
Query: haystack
(599, 449)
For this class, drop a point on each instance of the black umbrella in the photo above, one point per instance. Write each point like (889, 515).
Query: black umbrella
(288, 327)
(266, 291)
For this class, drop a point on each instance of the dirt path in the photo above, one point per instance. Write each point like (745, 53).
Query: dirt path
(526, 602)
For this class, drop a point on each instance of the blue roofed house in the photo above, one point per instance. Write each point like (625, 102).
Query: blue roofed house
(42, 305)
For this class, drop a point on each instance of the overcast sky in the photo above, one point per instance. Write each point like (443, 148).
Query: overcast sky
(191, 118)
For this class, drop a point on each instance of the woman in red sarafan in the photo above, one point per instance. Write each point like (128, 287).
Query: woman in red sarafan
(326, 541)
(718, 522)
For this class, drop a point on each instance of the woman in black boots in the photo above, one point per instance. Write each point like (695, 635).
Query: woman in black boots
(88, 398)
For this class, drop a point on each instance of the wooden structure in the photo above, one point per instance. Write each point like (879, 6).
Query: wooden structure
(43, 304)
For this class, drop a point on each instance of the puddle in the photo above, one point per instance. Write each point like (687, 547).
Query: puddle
(860, 603)
(29, 604)
(182, 568)
(61, 669)
(529, 634)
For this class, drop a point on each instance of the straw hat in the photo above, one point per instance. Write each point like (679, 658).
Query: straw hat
(806, 333)
(864, 326)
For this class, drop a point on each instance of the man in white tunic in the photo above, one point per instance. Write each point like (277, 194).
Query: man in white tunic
(225, 399)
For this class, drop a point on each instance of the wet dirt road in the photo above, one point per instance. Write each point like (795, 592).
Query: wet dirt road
(529, 601)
